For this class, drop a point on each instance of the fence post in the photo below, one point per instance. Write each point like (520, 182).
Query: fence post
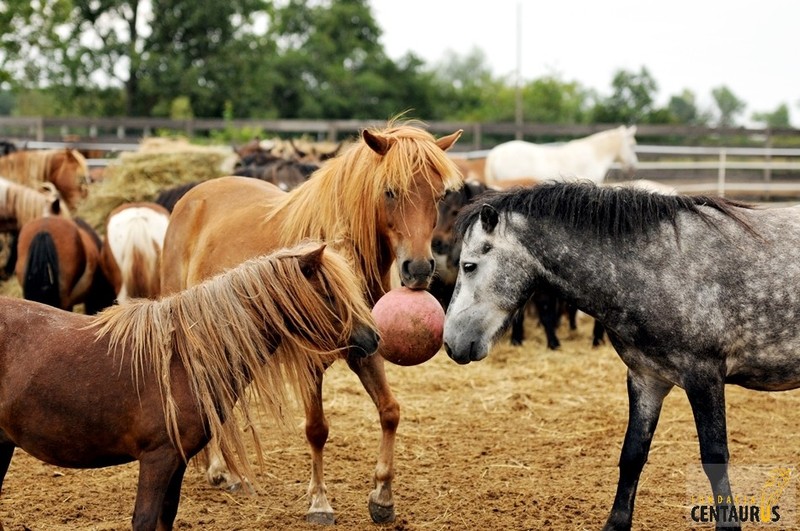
(721, 172)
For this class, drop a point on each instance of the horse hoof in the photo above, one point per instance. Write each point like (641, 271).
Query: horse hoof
(320, 518)
(381, 514)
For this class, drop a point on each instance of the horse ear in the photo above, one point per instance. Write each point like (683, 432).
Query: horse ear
(489, 218)
(377, 143)
(309, 262)
(446, 142)
(632, 130)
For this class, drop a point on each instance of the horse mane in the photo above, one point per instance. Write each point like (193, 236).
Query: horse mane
(604, 210)
(25, 204)
(339, 202)
(31, 167)
(248, 347)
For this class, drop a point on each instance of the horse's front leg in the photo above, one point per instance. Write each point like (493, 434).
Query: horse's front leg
(373, 377)
(319, 510)
(707, 397)
(645, 396)
(159, 477)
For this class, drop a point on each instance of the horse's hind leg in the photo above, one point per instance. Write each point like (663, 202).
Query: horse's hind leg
(518, 327)
(373, 377)
(706, 395)
(645, 396)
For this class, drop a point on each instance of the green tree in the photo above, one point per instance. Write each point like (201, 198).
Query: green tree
(632, 100)
(551, 100)
(728, 105)
(777, 118)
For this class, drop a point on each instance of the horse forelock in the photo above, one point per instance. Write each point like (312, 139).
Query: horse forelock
(256, 352)
(605, 211)
(340, 201)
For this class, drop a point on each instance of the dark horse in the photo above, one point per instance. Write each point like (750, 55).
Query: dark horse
(446, 247)
(682, 285)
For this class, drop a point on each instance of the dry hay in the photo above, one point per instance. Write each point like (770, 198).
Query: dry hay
(141, 175)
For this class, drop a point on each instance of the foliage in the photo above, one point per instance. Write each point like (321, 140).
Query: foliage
(286, 59)
(777, 118)
(728, 105)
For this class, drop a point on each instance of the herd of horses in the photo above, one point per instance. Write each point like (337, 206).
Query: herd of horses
(293, 255)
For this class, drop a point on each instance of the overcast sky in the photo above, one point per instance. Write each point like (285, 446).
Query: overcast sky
(750, 47)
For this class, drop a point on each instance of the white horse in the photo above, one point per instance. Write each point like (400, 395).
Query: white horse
(131, 254)
(584, 158)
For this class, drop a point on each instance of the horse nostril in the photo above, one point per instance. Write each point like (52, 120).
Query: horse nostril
(405, 267)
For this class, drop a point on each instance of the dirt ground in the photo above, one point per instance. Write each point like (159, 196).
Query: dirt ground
(526, 439)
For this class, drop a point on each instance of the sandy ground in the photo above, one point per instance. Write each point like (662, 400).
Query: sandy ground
(526, 439)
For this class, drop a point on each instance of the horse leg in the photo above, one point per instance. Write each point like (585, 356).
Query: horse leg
(597, 333)
(6, 453)
(645, 396)
(157, 471)
(518, 327)
(572, 313)
(547, 307)
(706, 395)
(373, 377)
(169, 509)
(319, 510)
(217, 472)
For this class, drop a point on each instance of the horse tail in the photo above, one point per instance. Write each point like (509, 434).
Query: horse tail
(143, 279)
(41, 280)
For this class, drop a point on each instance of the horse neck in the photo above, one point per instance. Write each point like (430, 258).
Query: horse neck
(316, 210)
(581, 264)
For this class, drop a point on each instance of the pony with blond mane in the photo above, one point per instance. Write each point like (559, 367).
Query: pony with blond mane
(20, 204)
(159, 378)
(375, 203)
(589, 158)
(65, 168)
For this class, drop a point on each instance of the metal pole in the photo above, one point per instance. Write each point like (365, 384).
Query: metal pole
(518, 114)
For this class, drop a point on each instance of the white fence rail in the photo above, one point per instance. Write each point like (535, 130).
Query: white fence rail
(719, 170)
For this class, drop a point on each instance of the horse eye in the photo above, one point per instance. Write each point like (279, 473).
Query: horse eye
(469, 267)
(390, 194)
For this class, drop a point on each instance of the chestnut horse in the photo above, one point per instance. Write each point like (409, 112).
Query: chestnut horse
(58, 263)
(375, 202)
(131, 252)
(65, 168)
(152, 381)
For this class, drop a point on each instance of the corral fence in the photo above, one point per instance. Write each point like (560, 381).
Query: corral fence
(749, 163)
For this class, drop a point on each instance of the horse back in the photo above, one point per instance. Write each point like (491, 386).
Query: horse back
(217, 225)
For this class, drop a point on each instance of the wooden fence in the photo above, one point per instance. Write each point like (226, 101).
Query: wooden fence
(755, 173)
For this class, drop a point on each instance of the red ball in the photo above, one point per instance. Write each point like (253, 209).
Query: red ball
(411, 323)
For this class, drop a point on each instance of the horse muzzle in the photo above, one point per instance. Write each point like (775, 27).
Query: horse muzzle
(417, 274)
(364, 342)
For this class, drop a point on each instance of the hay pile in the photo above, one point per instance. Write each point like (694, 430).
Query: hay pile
(157, 165)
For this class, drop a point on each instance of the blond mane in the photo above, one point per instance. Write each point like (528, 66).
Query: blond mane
(24, 204)
(34, 166)
(339, 202)
(240, 327)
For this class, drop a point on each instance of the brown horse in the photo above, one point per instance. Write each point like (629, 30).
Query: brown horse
(131, 252)
(375, 202)
(58, 263)
(65, 168)
(152, 380)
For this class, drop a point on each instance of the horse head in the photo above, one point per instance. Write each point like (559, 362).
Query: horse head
(626, 155)
(409, 212)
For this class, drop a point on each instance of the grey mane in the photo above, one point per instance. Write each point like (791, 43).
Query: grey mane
(606, 211)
